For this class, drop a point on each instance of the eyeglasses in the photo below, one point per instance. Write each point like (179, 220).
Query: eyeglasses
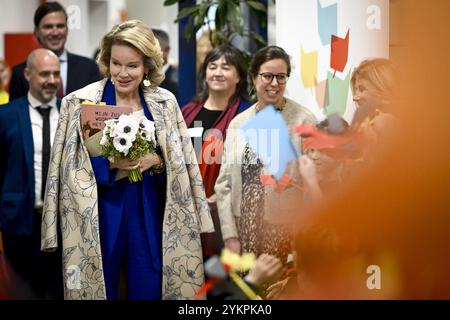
(267, 77)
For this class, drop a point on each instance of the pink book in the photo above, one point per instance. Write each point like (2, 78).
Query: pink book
(93, 117)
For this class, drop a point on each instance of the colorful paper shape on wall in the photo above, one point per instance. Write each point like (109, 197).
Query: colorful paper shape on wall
(337, 92)
(339, 52)
(268, 135)
(327, 19)
(322, 94)
(308, 69)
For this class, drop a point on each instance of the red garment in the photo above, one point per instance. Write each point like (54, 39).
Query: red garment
(342, 146)
(212, 146)
(192, 109)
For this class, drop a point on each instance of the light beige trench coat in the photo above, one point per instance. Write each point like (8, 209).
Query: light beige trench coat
(71, 201)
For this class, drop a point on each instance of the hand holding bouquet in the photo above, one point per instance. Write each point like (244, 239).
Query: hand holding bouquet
(128, 138)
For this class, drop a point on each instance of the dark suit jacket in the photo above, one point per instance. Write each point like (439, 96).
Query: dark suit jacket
(16, 168)
(81, 71)
(171, 81)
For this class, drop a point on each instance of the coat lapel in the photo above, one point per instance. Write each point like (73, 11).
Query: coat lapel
(156, 105)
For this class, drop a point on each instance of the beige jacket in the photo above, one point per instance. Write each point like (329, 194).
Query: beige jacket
(278, 206)
(71, 201)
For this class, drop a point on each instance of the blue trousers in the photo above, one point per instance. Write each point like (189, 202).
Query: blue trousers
(130, 249)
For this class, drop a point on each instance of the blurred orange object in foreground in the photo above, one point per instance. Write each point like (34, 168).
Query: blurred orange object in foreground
(11, 286)
(387, 234)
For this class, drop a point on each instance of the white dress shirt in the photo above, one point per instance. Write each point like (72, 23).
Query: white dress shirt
(63, 72)
(36, 128)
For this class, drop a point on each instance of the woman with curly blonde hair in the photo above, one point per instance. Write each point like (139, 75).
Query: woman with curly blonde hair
(373, 87)
(5, 74)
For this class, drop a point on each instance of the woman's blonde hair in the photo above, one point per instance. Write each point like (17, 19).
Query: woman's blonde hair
(379, 72)
(135, 34)
(5, 74)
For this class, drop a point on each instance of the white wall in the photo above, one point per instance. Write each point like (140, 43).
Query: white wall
(17, 16)
(297, 26)
(156, 15)
(79, 26)
(271, 23)
(89, 20)
(98, 24)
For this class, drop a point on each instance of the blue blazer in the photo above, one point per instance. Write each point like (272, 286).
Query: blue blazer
(16, 168)
(81, 71)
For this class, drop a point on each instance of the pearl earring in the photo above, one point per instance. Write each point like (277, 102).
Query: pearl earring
(146, 82)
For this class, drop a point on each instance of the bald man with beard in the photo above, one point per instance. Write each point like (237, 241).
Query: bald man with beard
(27, 129)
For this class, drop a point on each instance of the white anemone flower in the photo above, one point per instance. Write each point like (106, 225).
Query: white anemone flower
(147, 129)
(112, 131)
(127, 125)
(104, 139)
(110, 127)
(122, 144)
(110, 122)
(145, 124)
(147, 135)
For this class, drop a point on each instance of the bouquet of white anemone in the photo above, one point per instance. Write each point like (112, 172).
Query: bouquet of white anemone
(128, 137)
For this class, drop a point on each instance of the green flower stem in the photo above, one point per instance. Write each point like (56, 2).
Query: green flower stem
(135, 175)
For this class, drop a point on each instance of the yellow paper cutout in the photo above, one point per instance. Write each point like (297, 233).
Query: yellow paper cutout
(237, 262)
(309, 66)
(244, 287)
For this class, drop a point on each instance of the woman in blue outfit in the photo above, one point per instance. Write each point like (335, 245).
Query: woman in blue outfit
(148, 231)
(135, 209)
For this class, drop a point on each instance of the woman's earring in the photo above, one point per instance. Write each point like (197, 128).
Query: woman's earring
(112, 81)
(146, 82)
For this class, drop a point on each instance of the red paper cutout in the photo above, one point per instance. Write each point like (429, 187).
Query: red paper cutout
(339, 52)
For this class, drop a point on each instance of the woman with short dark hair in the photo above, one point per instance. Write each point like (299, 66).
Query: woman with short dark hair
(223, 93)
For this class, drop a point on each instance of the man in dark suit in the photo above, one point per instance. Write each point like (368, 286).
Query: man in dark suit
(50, 28)
(171, 81)
(27, 127)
